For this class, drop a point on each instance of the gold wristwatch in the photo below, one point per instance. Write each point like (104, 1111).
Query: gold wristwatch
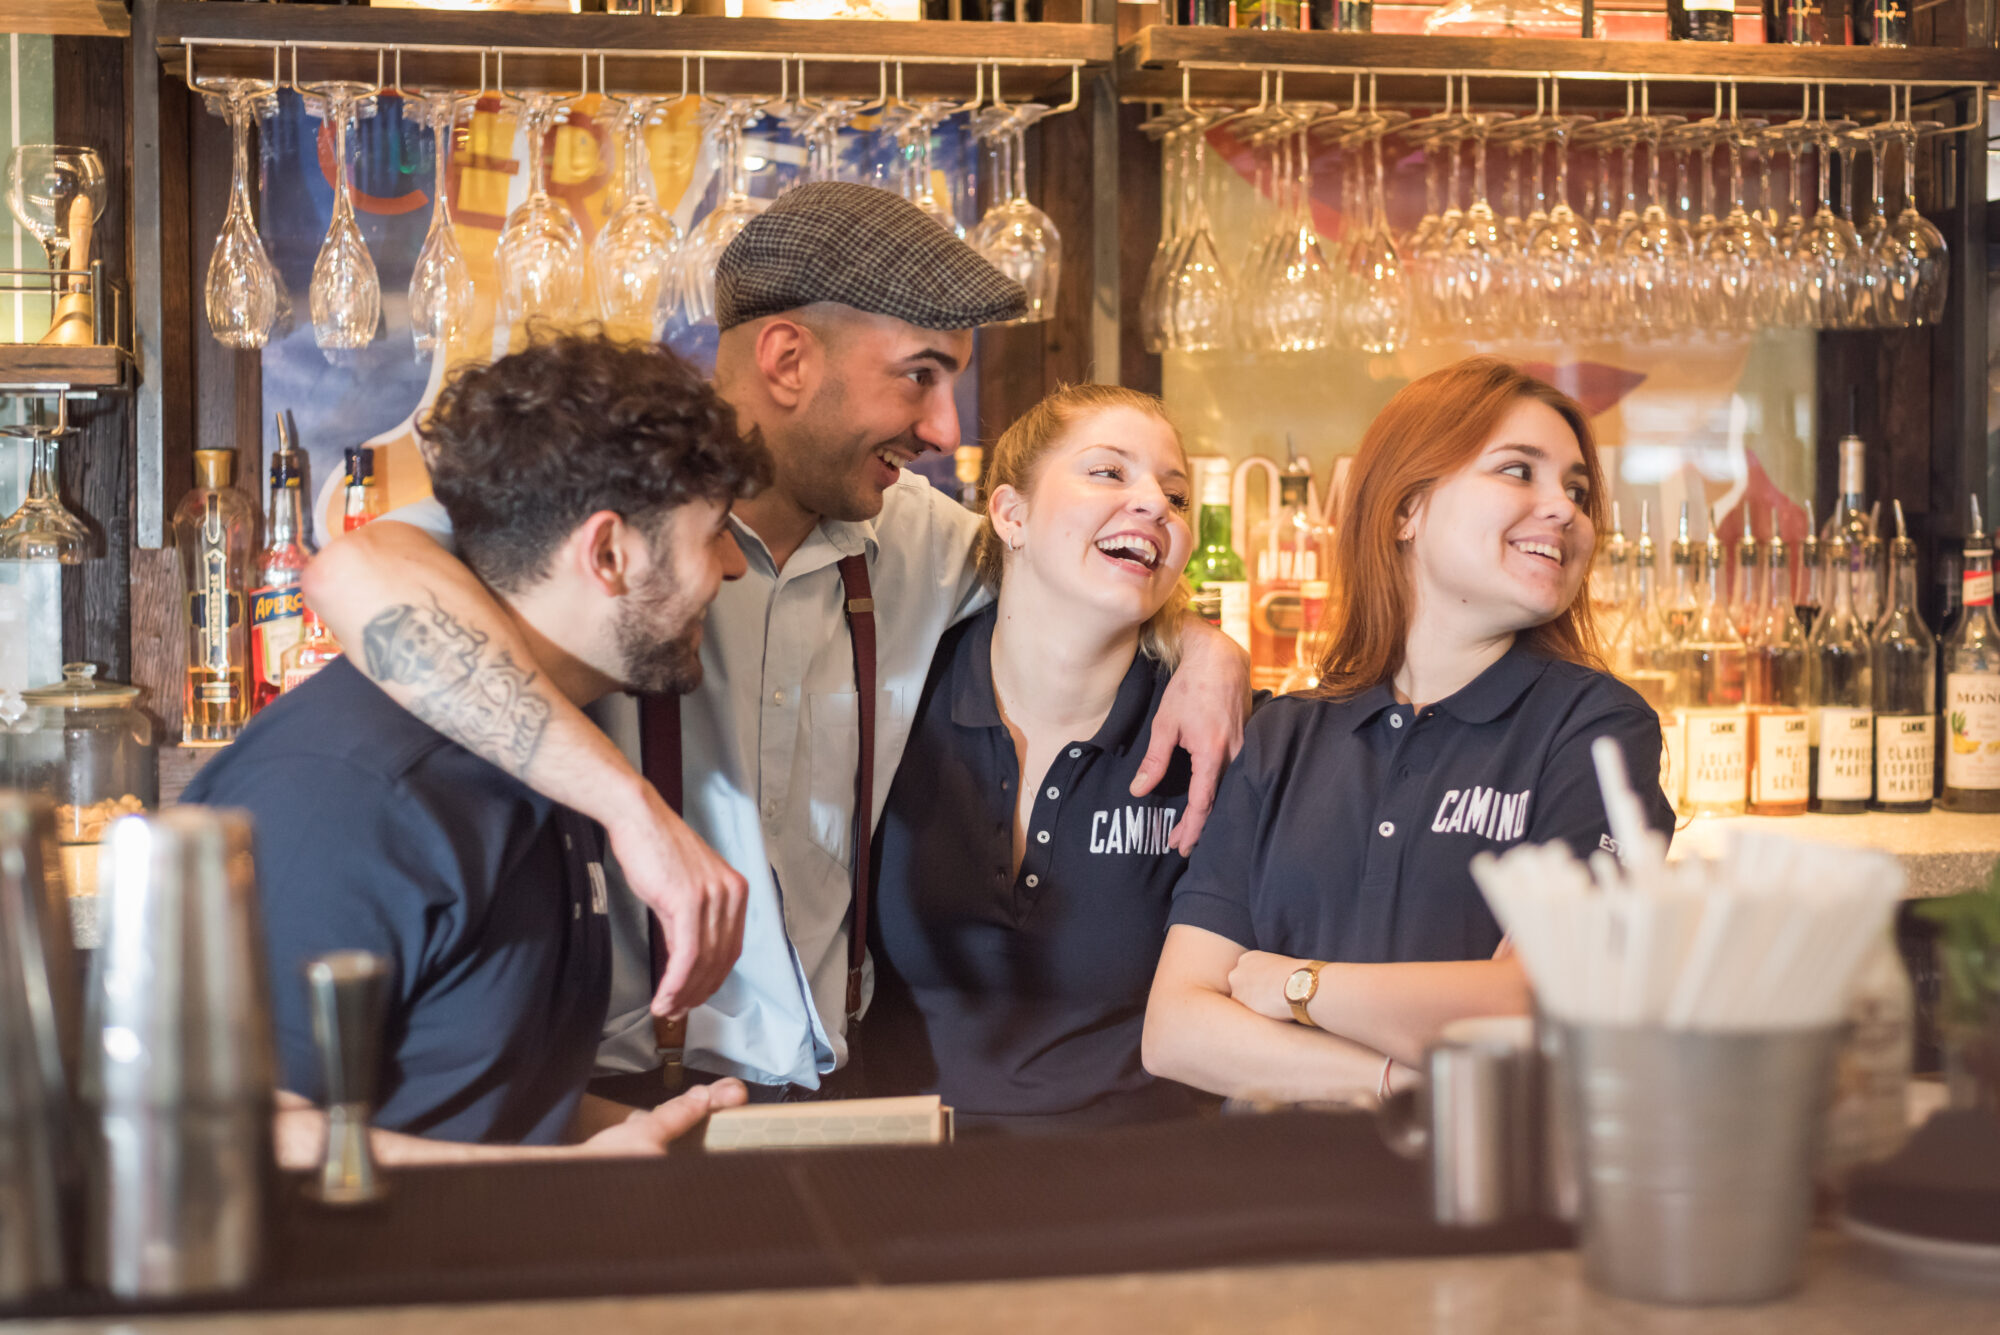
(1300, 986)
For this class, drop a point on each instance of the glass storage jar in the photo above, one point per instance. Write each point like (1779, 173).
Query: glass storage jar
(86, 745)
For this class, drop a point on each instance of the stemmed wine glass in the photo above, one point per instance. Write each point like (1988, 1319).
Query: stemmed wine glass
(1479, 255)
(914, 126)
(729, 117)
(1017, 238)
(45, 185)
(242, 287)
(1917, 295)
(634, 259)
(441, 284)
(1379, 315)
(540, 254)
(1653, 257)
(1562, 251)
(42, 529)
(1828, 247)
(346, 293)
(1739, 257)
(1200, 291)
(1175, 127)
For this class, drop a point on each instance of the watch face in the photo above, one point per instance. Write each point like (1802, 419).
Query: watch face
(1298, 985)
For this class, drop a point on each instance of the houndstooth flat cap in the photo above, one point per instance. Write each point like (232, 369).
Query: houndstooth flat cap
(861, 247)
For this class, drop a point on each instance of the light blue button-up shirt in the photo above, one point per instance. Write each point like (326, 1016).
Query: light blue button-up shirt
(769, 747)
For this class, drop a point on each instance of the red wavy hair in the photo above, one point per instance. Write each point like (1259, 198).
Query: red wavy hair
(1433, 427)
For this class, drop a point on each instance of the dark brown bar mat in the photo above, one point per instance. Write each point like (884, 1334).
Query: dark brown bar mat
(1287, 1186)
(1943, 1185)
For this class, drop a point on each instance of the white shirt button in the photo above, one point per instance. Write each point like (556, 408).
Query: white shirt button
(1054, 792)
(1041, 836)
(1395, 720)
(1075, 752)
(777, 697)
(1033, 880)
(1386, 828)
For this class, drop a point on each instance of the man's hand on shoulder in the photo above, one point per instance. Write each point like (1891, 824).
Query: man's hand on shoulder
(650, 1131)
(1202, 713)
(698, 898)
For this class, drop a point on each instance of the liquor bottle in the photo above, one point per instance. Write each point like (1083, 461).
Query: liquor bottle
(1852, 520)
(1891, 21)
(1807, 598)
(1780, 759)
(1904, 667)
(1711, 690)
(1804, 23)
(967, 463)
(1221, 589)
(308, 656)
(1310, 643)
(1204, 13)
(1842, 734)
(362, 498)
(215, 529)
(1775, 14)
(1611, 579)
(1271, 15)
(1701, 20)
(1289, 549)
(1746, 595)
(1682, 601)
(1341, 15)
(277, 607)
(1972, 687)
(1642, 656)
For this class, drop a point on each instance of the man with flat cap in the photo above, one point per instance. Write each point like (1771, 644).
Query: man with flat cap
(846, 317)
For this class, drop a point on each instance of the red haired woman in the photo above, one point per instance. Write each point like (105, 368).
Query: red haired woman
(1328, 923)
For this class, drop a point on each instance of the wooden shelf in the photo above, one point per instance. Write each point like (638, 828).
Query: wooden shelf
(640, 53)
(30, 364)
(69, 18)
(1681, 73)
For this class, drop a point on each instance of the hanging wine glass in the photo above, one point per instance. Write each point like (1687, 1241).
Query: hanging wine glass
(1738, 253)
(48, 187)
(914, 127)
(540, 256)
(1653, 257)
(241, 294)
(346, 293)
(1828, 247)
(1293, 308)
(634, 260)
(1201, 293)
(1380, 316)
(1563, 250)
(1925, 281)
(441, 296)
(1175, 128)
(1017, 238)
(43, 529)
(729, 116)
(1479, 256)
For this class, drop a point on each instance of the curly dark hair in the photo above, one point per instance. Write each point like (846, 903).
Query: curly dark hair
(523, 449)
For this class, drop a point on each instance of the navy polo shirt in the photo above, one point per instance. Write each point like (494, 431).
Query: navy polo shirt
(1345, 829)
(1019, 997)
(376, 832)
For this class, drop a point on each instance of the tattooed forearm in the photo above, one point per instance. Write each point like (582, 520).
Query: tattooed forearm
(473, 694)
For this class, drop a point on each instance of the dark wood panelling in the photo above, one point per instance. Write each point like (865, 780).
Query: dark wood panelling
(1019, 364)
(1138, 237)
(96, 461)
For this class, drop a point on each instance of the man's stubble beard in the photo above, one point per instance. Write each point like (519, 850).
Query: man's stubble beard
(823, 454)
(657, 658)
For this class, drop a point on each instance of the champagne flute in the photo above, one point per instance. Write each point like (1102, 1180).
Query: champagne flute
(540, 256)
(441, 284)
(346, 293)
(241, 294)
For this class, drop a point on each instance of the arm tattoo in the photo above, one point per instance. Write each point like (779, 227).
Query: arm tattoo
(474, 695)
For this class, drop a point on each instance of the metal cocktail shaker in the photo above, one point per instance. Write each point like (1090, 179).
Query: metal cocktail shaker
(177, 1071)
(38, 1033)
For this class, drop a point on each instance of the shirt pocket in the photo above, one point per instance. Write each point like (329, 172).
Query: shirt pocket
(833, 747)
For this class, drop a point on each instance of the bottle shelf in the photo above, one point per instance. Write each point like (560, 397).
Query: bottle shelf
(1227, 63)
(32, 367)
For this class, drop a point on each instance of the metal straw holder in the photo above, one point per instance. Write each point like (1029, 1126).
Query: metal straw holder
(177, 1069)
(1695, 1156)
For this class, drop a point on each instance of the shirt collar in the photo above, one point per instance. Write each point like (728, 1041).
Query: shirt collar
(838, 537)
(1485, 698)
(975, 704)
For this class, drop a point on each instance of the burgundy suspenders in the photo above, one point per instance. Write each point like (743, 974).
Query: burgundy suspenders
(660, 759)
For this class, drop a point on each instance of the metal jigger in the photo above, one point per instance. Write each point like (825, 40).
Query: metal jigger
(177, 1069)
(38, 1032)
(348, 991)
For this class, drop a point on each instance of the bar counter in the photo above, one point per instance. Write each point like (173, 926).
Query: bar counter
(1538, 1293)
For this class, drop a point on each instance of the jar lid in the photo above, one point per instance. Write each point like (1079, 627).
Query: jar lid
(80, 689)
